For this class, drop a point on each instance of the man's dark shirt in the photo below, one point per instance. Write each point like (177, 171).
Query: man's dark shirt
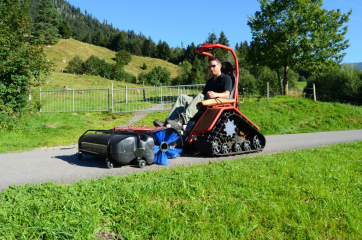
(220, 84)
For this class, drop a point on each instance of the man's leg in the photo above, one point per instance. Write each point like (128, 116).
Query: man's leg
(192, 108)
(179, 107)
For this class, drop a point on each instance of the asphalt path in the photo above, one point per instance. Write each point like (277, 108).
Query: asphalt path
(63, 166)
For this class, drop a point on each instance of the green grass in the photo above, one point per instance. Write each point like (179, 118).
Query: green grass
(301, 84)
(55, 129)
(282, 115)
(288, 115)
(305, 194)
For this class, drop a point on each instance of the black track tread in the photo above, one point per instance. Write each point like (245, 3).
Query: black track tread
(243, 125)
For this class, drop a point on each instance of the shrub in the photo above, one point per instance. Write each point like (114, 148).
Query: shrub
(248, 81)
(158, 75)
(120, 74)
(96, 66)
(75, 65)
(343, 85)
(144, 66)
(123, 58)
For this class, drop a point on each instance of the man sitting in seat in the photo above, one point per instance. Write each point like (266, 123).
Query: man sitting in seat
(185, 107)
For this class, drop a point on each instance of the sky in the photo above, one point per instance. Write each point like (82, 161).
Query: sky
(190, 21)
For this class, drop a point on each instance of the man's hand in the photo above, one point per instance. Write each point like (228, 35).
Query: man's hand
(211, 94)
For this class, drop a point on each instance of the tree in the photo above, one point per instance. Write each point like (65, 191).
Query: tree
(147, 48)
(46, 24)
(98, 39)
(297, 34)
(196, 75)
(64, 29)
(222, 53)
(163, 50)
(123, 58)
(21, 61)
(190, 53)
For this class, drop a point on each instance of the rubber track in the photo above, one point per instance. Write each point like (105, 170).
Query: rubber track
(241, 123)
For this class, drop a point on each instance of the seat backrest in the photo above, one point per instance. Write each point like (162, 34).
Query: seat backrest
(227, 68)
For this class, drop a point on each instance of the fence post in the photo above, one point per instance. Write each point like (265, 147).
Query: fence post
(126, 95)
(108, 99)
(112, 97)
(73, 98)
(314, 93)
(40, 100)
(30, 106)
(267, 90)
(161, 97)
(144, 93)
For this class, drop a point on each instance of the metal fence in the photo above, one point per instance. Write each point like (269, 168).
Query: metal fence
(136, 99)
(114, 100)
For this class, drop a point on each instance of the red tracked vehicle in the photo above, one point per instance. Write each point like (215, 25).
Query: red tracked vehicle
(222, 129)
(219, 128)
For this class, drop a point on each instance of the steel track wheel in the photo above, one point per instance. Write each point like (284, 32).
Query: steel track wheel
(216, 146)
(225, 148)
(237, 147)
(256, 143)
(246, 146)
(230, 128)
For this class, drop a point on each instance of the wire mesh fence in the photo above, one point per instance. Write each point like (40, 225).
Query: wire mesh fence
(115, 100)
(75, 100)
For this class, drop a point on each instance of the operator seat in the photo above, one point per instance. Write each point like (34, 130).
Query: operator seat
(227, 68)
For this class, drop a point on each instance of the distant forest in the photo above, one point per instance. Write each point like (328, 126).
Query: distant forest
(89, 29)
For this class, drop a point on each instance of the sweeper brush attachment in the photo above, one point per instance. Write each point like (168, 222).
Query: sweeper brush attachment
(123, 146)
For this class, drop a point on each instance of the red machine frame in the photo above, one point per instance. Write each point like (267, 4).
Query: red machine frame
(213, 113)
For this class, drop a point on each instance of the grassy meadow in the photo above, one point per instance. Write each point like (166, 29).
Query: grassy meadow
(66, 49)
(305, 194)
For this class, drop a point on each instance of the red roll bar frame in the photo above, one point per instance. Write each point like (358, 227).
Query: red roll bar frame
(203, 50)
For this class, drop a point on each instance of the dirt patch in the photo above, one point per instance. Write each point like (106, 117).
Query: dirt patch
(108, 235)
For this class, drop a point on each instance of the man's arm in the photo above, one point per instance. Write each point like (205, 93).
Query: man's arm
(211, 94)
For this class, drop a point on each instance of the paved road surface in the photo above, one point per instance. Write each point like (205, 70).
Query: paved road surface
(62, 166)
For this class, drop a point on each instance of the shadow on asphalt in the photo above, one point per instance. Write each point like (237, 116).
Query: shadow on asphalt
(86, 161)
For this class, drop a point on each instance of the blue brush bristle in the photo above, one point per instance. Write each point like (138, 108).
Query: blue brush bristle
(173, 137)
(159, 136)
(173, 152)
(162, 157)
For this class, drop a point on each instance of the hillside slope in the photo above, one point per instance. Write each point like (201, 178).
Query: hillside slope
(66, 49)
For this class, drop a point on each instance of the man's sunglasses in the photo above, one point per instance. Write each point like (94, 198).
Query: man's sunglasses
(212, 66)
